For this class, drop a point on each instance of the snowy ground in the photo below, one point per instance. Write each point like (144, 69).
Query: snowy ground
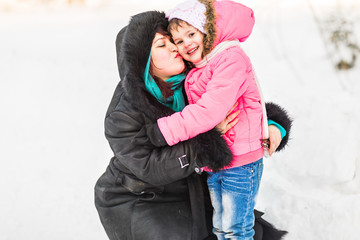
(57, 75)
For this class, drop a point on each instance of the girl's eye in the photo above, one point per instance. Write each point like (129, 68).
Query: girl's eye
(191, 34)
(179, 42)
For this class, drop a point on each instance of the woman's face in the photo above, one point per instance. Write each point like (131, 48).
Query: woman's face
(165, 59)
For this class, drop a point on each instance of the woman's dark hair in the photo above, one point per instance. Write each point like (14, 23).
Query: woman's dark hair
(165, 87)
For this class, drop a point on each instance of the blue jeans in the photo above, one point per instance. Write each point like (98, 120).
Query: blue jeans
(233, 193)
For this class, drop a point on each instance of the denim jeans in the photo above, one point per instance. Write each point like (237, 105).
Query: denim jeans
(233, 193)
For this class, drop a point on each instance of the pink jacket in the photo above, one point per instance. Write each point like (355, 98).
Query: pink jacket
(212, 91)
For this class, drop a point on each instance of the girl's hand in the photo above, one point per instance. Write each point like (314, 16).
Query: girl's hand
(274, 137)
(230, 121)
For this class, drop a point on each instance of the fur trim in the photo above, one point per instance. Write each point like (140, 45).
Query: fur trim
(210, 26)
(213, 149)
(280, 116)
(133, 45)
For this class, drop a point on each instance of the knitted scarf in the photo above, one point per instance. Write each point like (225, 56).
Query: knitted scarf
(176, 101)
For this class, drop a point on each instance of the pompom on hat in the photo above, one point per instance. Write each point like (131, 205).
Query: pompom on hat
(192, 12)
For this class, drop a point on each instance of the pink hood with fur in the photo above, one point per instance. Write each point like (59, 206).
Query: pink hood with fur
(213, 89)
(233, 21)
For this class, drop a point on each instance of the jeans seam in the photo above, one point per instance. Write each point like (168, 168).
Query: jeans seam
(248, 204)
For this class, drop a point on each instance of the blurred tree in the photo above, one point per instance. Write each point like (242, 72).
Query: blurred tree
(337, 32)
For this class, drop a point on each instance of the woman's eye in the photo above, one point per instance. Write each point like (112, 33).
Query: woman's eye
(161, 44)
(179, 42)
(191, 34)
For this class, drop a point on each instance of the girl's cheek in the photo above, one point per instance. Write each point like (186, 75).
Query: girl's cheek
(181, 51)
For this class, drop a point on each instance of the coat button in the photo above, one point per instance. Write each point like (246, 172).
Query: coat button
(197, 170)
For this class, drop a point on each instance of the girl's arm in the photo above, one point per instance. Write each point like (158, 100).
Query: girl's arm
(278, 140)
(228, 81)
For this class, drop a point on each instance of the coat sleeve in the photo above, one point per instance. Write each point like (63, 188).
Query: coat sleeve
(279, 115)
(228, 81)
(155, 165)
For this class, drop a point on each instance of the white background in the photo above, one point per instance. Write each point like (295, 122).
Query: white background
(57, 75)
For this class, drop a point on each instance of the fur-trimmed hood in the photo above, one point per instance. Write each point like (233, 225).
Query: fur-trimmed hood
(133, 46)
(226, 20)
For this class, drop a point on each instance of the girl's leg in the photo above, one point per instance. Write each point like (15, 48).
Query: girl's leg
(214, 184)
(239, 188)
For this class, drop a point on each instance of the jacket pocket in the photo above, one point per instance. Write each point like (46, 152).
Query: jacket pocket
(230, 137)
(136, 186)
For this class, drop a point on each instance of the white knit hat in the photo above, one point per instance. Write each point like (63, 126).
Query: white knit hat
(192, 12)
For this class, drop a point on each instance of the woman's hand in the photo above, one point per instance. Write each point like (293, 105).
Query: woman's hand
(274, 137)
(230, 121)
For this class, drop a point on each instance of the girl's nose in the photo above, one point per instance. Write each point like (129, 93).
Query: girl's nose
(187, 43)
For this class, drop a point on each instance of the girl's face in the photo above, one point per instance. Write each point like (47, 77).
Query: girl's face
(189, 41)
(165, 59)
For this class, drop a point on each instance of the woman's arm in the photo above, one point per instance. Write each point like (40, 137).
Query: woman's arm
(274, 138)
(155, 165)
(229, 121)
(280, 116)
(160, 165)
(276, 131)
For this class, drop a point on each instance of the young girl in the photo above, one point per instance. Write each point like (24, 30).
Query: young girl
(208, 35)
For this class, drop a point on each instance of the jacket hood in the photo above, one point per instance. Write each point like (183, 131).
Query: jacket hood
(133, 46)
(226, 20)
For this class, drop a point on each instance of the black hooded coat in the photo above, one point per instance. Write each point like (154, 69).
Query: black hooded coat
(150, 192)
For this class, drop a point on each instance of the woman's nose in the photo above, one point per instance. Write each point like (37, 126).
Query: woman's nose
(173, 48)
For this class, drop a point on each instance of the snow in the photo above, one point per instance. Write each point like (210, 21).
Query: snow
(57, 75)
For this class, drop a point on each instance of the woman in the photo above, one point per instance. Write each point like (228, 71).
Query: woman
(150, 192)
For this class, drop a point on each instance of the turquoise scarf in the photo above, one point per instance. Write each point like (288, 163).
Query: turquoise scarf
(176, 102)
